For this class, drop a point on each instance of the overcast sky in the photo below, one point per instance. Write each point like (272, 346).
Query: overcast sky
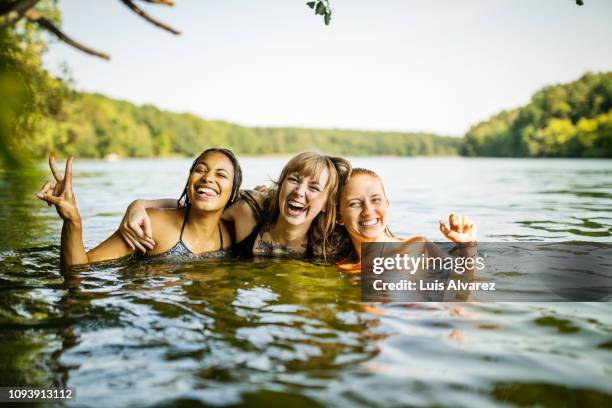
(436, 66)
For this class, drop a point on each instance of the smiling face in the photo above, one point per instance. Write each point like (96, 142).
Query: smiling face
(302, 197)
(209, 187)
(363, 208)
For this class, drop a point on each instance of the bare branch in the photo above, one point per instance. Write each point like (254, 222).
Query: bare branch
(35, 17)
(13, 12)
(164, 2)
(147, 17)
(16, 5)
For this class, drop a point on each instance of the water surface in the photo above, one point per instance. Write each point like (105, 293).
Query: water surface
(292, 333)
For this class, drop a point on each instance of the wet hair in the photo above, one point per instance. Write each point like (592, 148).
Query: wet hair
(360, 171)
(313, 165)
(183, 200)
(341, 235)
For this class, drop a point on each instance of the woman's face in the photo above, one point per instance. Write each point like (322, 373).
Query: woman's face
(301, 198)
(210, 182)
(363, 207)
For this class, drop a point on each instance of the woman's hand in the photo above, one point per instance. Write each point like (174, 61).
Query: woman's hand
(136, 228)
(461, 229)
(262, 189)
(60, 194)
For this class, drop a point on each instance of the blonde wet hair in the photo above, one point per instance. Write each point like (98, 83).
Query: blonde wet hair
(360, 171)
(313, 165)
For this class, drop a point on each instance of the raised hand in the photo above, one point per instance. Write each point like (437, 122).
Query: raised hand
(461, 229)
(60, 193)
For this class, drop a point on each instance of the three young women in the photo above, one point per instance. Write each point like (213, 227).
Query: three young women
(297, 218)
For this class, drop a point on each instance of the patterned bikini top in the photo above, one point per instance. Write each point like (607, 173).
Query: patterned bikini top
(181, 251)
(244, 248)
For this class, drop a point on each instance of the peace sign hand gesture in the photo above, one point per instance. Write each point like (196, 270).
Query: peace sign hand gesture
(60, 194)
(462, 230)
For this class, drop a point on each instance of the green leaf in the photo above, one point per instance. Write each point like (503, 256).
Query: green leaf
(311, 4)
(579, 2)
(327, 18)
(320, 8)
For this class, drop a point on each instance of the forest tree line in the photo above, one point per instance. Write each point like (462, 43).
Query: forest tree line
(564, 120)
(92, 125)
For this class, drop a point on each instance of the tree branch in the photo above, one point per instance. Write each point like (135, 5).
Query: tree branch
(35, 17)
(141, 13)
(13, 12)
(164, 2)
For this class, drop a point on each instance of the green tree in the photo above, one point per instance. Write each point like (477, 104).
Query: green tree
(28, 93)
(564, 120)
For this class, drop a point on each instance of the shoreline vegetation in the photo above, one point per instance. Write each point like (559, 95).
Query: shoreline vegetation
(95, 126)
(564, 120)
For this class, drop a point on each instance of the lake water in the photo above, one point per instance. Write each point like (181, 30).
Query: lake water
(290, 333)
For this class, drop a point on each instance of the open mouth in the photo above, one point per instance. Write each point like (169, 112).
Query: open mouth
(206, 192)
(295, 208)
(368, 223)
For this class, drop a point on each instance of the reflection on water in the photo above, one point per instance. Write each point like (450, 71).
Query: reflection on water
(292, 333)
(23, 221)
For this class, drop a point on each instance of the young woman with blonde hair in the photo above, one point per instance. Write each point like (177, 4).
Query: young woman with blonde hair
(362, 217)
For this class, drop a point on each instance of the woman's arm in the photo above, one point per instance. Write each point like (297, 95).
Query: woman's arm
(72, 251)
(114, 247)
(245, 212)
(72, 248)
(462, 231)
(245, 206)
(137, 232)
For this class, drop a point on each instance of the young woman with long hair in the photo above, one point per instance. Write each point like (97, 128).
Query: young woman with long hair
(192, 229)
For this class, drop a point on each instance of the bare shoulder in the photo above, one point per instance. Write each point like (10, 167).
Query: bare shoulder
(165, 220)
(165, 214)
(240, 210)
(242, 215)
(166, 225)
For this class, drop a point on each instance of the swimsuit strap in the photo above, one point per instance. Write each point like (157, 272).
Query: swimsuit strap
(184, 222)
(183, 228)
